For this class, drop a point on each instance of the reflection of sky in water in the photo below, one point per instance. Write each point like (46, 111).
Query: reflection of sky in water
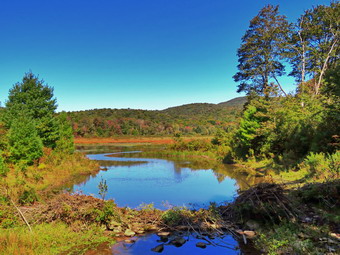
(157, 181)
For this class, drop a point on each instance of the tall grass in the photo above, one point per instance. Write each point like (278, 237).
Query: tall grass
(53, 238)
(25, 184)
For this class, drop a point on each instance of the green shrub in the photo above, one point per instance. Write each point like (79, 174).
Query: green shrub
(107, 213)
(65, 139)
(322, 164)
(171, 217)
(176, 216)
(24, 142)
(28, 196)
(334, 163)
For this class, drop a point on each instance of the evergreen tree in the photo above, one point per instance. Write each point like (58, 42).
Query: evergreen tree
(65, 135)
(34, 99)
(246, 133)
(24, 143)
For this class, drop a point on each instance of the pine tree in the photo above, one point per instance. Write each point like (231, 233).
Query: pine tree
(65, 135)
(33, 99)
(24, 143)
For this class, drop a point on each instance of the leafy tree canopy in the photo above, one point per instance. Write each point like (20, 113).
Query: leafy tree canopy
(260, 55)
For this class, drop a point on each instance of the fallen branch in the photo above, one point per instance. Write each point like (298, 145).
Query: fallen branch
(22, 216)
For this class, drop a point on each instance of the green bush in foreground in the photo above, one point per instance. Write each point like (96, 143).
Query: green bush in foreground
(322, 164)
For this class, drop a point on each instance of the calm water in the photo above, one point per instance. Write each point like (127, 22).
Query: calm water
(143, 245)
(132, 181)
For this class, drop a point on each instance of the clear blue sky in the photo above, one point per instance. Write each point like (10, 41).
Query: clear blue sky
(146, 54)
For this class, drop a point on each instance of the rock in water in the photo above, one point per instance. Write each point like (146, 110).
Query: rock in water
(163, 234)
(201, 245)
(158, 248)
(178, 242)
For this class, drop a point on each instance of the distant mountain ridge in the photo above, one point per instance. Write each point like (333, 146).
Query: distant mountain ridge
(194, 108)
(237, 101)
(188, 119)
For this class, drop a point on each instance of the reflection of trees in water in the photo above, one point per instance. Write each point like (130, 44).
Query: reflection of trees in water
(177, 172)
(243, 179)
(221, 171)
(89, 149)
(69, 186)
(108, 163)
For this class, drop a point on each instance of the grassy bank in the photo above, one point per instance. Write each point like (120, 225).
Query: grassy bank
(277, 220)
(50, 238)
(27, 184)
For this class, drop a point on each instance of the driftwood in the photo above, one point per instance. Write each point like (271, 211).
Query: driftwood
(262, 202)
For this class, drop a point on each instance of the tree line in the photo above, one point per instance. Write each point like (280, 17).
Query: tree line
(288, 127)
(192, 119)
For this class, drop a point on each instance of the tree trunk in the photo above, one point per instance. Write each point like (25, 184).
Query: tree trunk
(324, 67)
(280, 86)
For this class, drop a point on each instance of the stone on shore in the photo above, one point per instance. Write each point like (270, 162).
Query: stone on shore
(163, 234)
(249, 234)
(129, 232)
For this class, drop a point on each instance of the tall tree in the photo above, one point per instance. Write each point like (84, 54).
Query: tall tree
(35, 100)
(315, 44)
(261, 53)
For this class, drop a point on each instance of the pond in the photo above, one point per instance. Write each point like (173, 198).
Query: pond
(133, 180)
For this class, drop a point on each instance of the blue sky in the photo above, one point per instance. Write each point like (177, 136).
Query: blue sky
(145, 54)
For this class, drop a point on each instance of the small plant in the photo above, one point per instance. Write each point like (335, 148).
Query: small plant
(28, 196)
(147, 207)
(176, 216)
(107, 212)
(171, 217)
(102, 186)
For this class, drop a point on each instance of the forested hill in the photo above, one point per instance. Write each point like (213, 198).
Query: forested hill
(189, 119)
